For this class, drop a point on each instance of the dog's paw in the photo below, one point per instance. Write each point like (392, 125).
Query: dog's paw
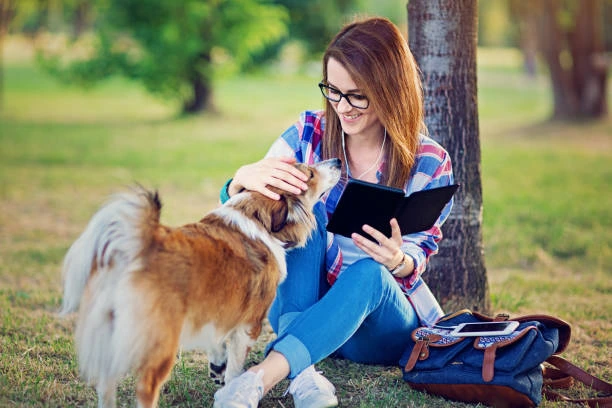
(217, 372)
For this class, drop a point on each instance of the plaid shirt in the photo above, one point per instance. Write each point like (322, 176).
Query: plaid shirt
(432, 168)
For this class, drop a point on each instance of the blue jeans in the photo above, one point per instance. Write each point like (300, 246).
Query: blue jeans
(364, 317)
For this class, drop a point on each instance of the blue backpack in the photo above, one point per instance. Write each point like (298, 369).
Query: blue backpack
(499, 370)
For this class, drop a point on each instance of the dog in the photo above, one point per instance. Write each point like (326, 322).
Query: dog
(143, 289)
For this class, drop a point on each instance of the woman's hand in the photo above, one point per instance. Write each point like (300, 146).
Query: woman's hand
(273, 171)
(388, 250)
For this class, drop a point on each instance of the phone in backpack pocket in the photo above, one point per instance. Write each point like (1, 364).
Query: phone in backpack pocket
(484, 329)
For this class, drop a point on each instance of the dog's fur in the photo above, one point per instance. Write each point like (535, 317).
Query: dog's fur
(144, 288)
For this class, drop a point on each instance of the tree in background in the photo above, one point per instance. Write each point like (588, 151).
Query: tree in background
(315, 22)
(569, 34)
(169, 46)
(7, 8)
(311, 26)
(442, 35)
(495, 28)
(33, 17)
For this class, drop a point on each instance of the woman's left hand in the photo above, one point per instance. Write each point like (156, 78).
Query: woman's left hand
(387, 250)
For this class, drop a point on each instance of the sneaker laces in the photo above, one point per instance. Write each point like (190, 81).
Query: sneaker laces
(308, 382)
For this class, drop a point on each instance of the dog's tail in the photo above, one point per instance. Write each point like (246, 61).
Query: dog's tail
(112, 242)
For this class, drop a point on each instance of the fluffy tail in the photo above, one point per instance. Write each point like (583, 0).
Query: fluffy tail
(113, 240)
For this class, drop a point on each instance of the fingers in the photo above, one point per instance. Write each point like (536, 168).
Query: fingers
(271, 172)
(287, 165)
(287, 178)
(396, 234)
(395, 241)
(386, 251)
(369, 247)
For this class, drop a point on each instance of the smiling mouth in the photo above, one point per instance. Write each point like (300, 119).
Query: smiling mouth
(355, 116)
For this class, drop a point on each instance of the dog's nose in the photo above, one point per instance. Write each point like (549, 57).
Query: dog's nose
(330, 163)
(336, 163)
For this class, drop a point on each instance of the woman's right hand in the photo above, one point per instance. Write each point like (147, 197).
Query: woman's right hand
(272, 171)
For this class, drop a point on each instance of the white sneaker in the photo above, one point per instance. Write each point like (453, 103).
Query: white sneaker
(311, 390)
(244, 391)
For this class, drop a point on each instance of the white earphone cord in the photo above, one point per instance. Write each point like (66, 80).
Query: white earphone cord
(380, 153)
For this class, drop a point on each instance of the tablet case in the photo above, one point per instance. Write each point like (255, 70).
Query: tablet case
(374, 204)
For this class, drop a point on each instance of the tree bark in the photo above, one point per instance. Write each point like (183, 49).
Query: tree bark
(443, 37)
(590, 68)
(6, 11)
(201, 98)
(80, 21)
(527, 24)
(575, 56)
(565, 102)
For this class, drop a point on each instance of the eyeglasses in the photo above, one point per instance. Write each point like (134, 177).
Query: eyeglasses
(334, 95)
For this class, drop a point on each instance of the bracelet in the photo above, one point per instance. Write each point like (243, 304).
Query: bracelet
(399, 266)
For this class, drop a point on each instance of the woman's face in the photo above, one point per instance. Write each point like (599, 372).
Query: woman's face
(354, 121)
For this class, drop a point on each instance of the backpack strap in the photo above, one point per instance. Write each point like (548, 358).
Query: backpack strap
(419, 352)
(562, 376)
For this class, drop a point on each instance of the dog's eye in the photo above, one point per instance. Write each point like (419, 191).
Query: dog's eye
(308, 172)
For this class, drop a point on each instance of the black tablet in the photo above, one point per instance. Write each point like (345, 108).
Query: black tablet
(374, 204)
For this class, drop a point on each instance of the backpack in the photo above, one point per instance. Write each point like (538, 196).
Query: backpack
(501, 371)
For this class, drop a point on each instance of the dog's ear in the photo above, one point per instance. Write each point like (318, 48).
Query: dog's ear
(273, 215)
(279, 213)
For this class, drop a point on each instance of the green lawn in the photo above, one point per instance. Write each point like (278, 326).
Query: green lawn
(547, 220)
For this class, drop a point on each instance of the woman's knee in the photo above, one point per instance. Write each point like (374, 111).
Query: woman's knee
(367, 272)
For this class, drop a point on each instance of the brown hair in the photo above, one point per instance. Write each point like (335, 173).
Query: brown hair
(377, 57)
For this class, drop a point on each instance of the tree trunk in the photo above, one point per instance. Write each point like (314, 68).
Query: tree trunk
(525, 20)
(201, 98)
(575, 57)
(443, 38)
(6, 9)
(565, 102)
(80, 21)
(590, 66)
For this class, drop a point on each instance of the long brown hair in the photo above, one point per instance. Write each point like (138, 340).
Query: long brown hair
(377, 57)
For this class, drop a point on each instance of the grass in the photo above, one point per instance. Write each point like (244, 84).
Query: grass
(547, 222)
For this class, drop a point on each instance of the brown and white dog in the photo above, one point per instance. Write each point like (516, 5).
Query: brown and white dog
(144, 288)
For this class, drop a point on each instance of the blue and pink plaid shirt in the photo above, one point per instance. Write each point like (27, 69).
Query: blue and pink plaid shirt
(432, 168)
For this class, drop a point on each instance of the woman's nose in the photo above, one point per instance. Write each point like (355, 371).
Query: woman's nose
(343, 105)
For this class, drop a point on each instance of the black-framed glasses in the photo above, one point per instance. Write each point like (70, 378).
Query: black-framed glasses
(334, 95)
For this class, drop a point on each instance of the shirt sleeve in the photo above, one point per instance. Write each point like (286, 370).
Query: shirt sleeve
(432, 170)
(280, 148)
(302, 140)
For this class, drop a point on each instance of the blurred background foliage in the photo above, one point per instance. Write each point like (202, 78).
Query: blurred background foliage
(177, 47)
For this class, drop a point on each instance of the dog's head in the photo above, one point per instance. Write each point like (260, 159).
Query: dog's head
(290, 219)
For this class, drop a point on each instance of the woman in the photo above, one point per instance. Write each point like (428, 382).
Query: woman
(349, 297)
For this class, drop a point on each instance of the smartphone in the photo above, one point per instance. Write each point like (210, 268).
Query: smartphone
(484, 329)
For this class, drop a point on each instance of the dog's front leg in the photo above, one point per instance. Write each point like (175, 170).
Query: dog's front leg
(217, 363)
(107, 393)
(238, 347)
